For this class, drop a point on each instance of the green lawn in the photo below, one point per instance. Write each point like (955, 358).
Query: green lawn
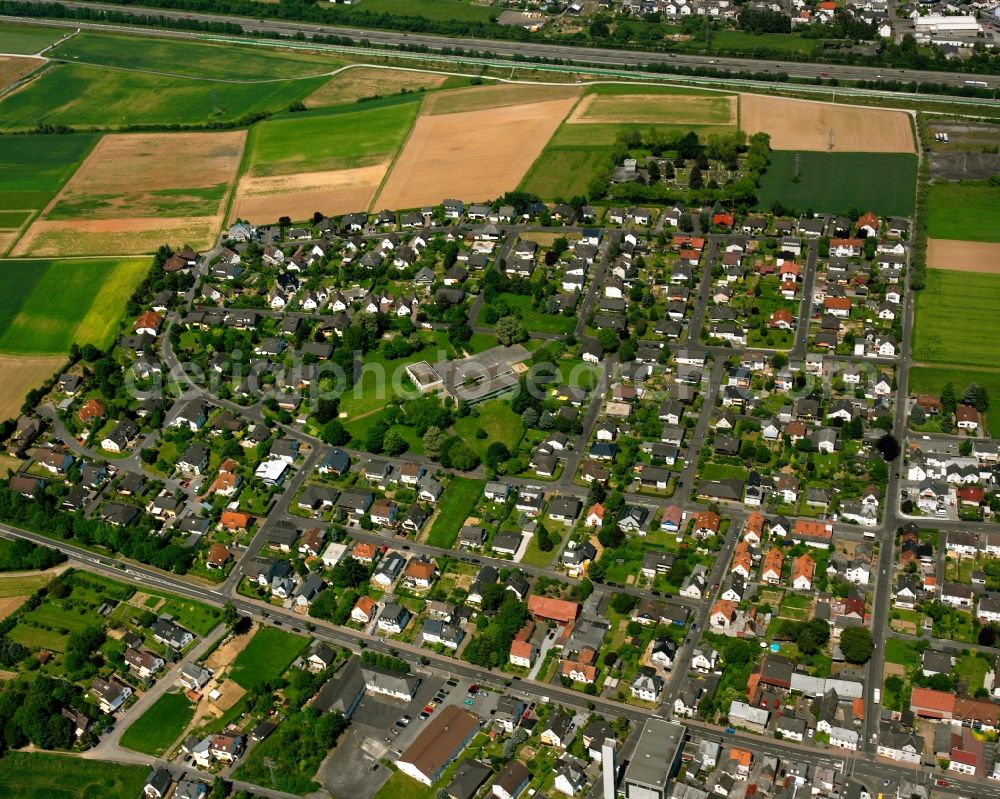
(197, 59)
(156, 729)
(36, 775)
(968, 210)
(28, 39)
(565, 171)
(34, 168)
(267, 656)
(498, 421)
(931, 379)
(455, 506)
(953, 313)
(722, 471)
(81, 96)
(536, 321)
(971, 669)
(884, 183)
(47, 305)
(36, 638)
(600, 134)
(401, 786)
(743, 42)
(22, 584)
(336, 138)
(58, 618)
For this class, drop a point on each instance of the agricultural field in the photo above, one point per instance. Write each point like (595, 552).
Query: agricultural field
(267, 656)
(931, 379)
(128, 196)
(835, 182)
(474, 154)
(647, 109)
(47, 305)
(605, 134)
(806, 125)
(358, 83)
(967, 211)
(156, 729)
(12, 68)
(952, 314)
(431, 9)
(331, 160)
(83, 96)
(244, 63)
(564, 171)
(27, 39)
(496, 95)
(734, 41)
(456, 504)
(36, 775)
(18, 375)
(32, 170)
(964, 256)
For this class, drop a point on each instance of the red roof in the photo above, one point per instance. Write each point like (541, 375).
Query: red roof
(218, 554)
(869, 219)
(695, 242)
(781, 315)
(150, 319)
(556, 609)
(724, 218)
(928, 699)
(234, 520)
(366, 605)
(813, 529)
(966, 413)
(837, 303)
(789, 268)
(92, 409)
(856, 243)
(522, 649)
(971, 494)
(708, 520)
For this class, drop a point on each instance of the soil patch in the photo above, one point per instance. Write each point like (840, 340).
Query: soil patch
(340, 191)
(12, 68)
(655, 109)
(226, 652)
(499, 95)
(357, 83)
(125, 236)
(963, 256)
(475, 155)
(18, 376)
(9, 604)
(152, 161)
(805, 125)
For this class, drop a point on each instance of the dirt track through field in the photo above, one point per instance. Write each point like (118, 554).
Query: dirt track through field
(963, 256)
(805, 125)
(339, 191)
(18, 376)
(475, 155)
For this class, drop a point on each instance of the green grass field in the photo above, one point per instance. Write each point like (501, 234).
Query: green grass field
(196, 59)
(456, 504)
(968, 211)
(337, 138)
(178, 202)
(35, 775)
(34, 168)
(47, 305)
(601, 134)
(37, 638)
(953, 313)
(22, 584)
(931, 379)
(835, 182)
(744, 42)
(535, 321)
(564, 172)
(156, 729)
(84, 96)
(58, 618)
(27, 39)
(499, 423)
(267, 656)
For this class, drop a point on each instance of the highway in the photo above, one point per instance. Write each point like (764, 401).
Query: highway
(580, 55)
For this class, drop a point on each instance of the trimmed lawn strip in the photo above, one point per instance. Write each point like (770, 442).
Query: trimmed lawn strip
(953, 312)
(156, 729)
(37, 775)
(456, 504)
(267, 656)
(968, 211)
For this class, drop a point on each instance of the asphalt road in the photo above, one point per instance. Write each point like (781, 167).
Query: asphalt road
(582, 55)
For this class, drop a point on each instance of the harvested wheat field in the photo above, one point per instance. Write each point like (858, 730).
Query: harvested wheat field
(7, 237)
(339, 191)
(499, 95)
(356, 83)
(963, 256)
(804, 125)
(12, 68)
(18, 376)
(667, 109)
(126, 236)
(475, 155)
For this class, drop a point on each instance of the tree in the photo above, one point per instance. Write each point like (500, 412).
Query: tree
(348, 573)
(530, 417)
(917, 415)
(545, 542)
(624, 603)
(976, 396)
(393, 443)
(509, 331)
(608, 339)
(434, 440)
(230, 615)
(888, 446)
(496, 454)
(856, 644)
(948, 401)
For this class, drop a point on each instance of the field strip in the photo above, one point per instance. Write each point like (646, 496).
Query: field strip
(395, 157)
(963, 256)
(18, 375)
(651, 109)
